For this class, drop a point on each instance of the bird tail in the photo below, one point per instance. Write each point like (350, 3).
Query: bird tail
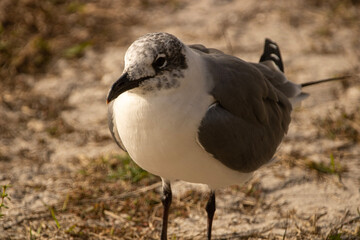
(272, 52)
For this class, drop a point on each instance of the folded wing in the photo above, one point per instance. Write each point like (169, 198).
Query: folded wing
(245, 125)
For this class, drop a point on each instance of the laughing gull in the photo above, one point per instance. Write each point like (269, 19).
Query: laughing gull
(196, 114)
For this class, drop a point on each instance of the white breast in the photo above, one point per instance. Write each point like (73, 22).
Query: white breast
(160, 130)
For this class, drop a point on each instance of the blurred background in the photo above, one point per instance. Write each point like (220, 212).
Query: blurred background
(67, 178)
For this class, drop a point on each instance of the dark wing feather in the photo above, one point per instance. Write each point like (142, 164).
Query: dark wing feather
(272, 52)
(112, 126)
(251, 116)
(204, 49)
(278, 79)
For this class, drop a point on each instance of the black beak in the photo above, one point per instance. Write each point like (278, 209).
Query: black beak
(123, 84)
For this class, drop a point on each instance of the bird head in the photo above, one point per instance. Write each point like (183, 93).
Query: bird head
(154, 62)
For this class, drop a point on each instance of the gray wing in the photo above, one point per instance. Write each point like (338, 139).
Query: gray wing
(272, 73)
(112, 126)
(202, 48)
(250, 117)
(278, 79)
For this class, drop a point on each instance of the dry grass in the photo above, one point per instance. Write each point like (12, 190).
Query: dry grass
(105, 202)
(109, 197)
(35, 33)
(341, 125)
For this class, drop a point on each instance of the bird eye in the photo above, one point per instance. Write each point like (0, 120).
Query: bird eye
(160, 62)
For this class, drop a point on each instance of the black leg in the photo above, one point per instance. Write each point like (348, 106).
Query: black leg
(210, 209)
(166, 201)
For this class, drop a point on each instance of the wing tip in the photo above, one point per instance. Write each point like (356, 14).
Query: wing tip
(272, 52)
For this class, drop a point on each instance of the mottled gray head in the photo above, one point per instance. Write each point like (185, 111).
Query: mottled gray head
(153, 62)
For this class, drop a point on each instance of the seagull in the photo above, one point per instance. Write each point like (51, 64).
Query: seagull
(191, 113)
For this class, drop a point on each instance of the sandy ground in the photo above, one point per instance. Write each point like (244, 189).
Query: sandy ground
(41, 158)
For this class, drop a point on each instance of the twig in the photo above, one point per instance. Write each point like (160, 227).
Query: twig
(98, 236)
(113, 215)
(44, 212)
(251, 233)
(286, 227)
(343, 222)
(30, 217)
(124, 195)
(354, 219)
